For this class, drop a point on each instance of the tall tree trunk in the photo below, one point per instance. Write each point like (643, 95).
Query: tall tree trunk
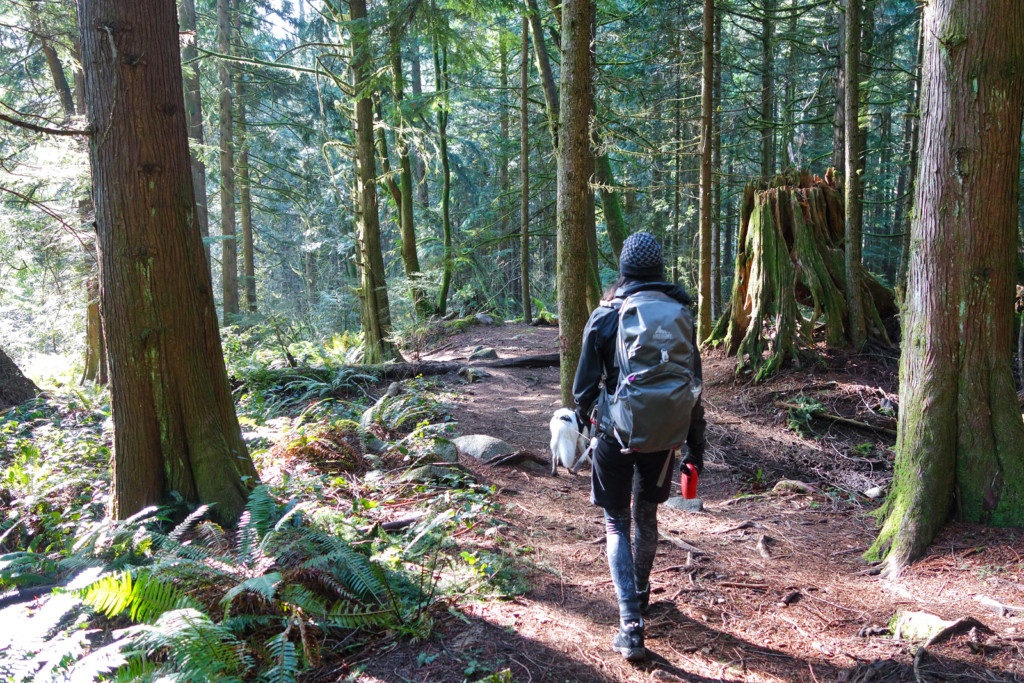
(524, 173)
(575, 165)
(547, 78)
(420, 166)
(244, 198)
(373, 289)
(677, 156)
(503, 183)
(704, 296)
(853, 207)
(228, 245)
(768, 89)
(410, 257)
(175, 428)
(194, 112)
(441, 79)
(839, 121)
(789, 159)
(716, 162)
(914, 124)
(961, 441)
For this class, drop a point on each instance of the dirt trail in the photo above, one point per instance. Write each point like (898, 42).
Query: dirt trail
(715, 615)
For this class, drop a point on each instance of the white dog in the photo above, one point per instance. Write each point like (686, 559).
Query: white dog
(568, 446)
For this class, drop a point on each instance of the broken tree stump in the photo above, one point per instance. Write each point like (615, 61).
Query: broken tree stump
(791, 277)
(15, 387)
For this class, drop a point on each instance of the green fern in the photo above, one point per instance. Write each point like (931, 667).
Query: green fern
(144, 597)
(264, 586)
(285, 660)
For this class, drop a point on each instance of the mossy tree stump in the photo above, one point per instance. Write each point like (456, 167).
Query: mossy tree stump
(790, 275)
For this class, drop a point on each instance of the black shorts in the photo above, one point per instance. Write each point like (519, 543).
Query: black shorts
(611, 475)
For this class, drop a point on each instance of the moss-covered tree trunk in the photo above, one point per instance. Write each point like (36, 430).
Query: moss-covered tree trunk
(175, 428)
(575, 165)
(789, 252)
(373, 290)
(961, 440)
(410, 257)
(441, 80)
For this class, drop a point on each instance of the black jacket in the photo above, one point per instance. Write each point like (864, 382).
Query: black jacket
(597, 360)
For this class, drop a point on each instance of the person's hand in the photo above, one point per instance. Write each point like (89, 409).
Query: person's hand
(582, 421)
(695, 458)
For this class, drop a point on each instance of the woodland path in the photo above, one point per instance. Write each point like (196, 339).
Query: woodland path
(717, 615)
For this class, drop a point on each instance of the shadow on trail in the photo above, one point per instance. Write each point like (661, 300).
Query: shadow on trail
(469, 647)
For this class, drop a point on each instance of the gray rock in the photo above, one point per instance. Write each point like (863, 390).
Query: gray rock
(482, 447)
(394, 389)
(425, 474)
(444, 450)
(875, 492)
(484, 319)
(685, 504)
(482, 352)
(473, 374)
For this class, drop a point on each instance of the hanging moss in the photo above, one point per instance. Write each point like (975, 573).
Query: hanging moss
(790, 255)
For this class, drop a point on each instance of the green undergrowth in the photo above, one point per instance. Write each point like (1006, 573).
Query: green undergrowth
(365, 529)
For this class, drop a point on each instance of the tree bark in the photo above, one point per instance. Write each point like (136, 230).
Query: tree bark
(229, 247)
(547, 78)
(244, 198)
(704, 295)
(194, 112)
(441, 77)
(175, 428)
(373, 289)
(854, 208)
(575, 166)
(839, 120)
(768, 89)
(524, 173)
(961, 439)
(716, 163)
(410, 257)
(420, 166)
(914, 126)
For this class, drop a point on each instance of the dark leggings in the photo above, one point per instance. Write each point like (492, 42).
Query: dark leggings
(631, 563)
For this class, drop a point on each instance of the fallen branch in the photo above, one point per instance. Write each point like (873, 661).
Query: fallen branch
(807, 387)
(824, 415)
(544, 360)
(679, 543)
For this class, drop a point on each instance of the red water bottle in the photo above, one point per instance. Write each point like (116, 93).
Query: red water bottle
(688, 481)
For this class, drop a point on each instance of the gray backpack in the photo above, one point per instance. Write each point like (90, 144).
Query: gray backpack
(657, 386)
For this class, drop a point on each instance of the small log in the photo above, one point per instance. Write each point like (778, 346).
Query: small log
(545, 360)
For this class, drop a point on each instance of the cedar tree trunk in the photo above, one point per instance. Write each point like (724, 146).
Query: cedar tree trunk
(175, 428)
(961, 441)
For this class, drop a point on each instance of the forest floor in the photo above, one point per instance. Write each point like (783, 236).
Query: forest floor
(718, 614)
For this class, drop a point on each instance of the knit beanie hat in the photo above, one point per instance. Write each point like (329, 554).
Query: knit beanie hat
(641, 257)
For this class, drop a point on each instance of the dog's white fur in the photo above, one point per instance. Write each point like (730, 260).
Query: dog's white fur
(567, 443)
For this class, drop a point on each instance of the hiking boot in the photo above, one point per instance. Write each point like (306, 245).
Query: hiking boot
(629, 642)
(644, 598)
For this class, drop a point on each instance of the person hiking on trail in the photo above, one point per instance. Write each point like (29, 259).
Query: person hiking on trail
(638, 381)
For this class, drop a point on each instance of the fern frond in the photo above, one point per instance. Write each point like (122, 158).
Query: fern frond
(187, 523)
(264, 586)
(144, 597)
(285, 658)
